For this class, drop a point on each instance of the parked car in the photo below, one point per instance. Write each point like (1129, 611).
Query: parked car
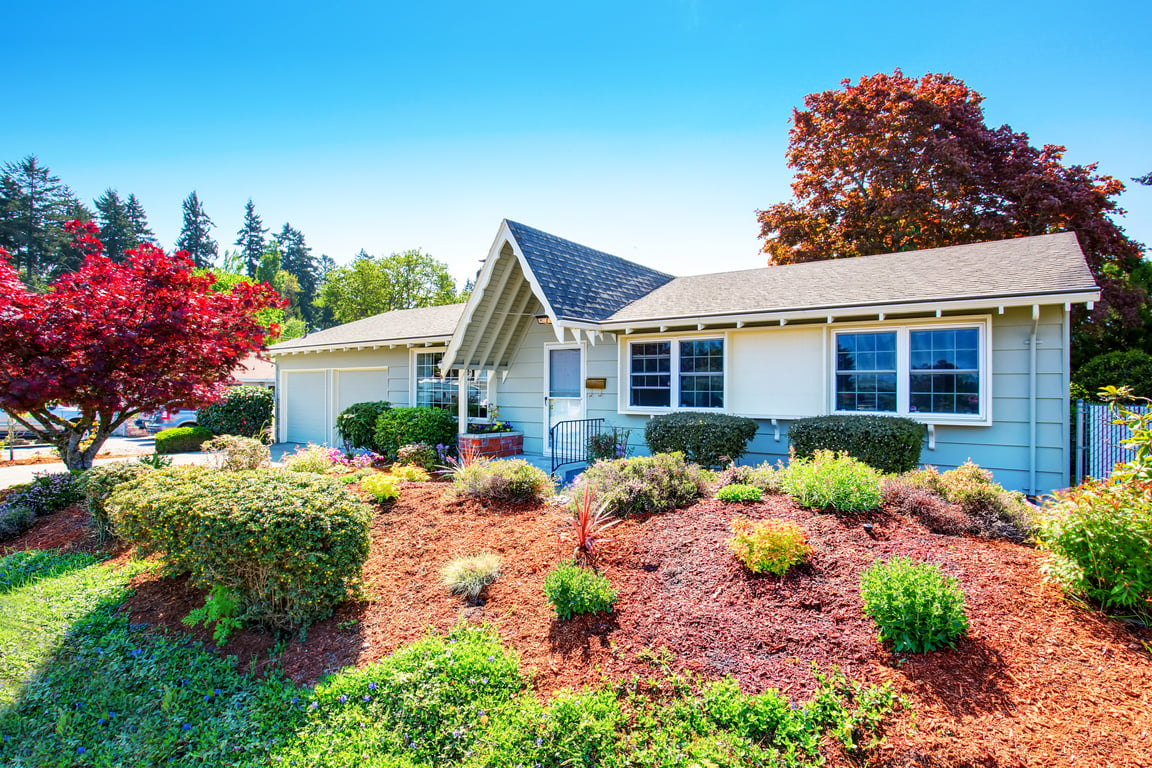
(154, 422)
(6, 422)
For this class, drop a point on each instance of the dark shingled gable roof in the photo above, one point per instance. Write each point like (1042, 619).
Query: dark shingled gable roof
(581, 283)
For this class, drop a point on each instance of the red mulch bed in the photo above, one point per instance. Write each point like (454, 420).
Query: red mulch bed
(53, 458)
(1038, 681)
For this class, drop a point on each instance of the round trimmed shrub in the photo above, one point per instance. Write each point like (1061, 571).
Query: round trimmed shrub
(891, 444)
(708, 439)
(98, 483)
(357, 423)
(397, 427)
(244, 410)
(181, 439)
(917, 608)
(644, 484)
(290, 546)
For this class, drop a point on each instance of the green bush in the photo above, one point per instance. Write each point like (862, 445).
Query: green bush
(98, 483)
(707, 439)
(831, 481)
(1099, 535)
(288, 545)
(233, 453)
(357, 424)
(739, 492)
(890, 444)
(398, 427)
(991, 511)
(573, 590)
(914, 604)
(181, 439)
(243, 410)
(762, 476)
(48, 493)
(420, 455)
(772, 546)
(311, 458)
(512, 480)
(381, 487)
(644, 484)
(1125, 368)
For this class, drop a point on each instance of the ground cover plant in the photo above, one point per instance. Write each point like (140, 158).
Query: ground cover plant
(836, 482)
(47, 493)
(917, 608)
(769, 546)
(643, 484)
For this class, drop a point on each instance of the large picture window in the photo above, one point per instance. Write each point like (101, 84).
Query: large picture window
(436, 392)
(911, 371)
(676, 373)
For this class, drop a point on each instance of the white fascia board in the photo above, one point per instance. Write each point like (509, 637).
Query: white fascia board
(342, 347)
(847, 311)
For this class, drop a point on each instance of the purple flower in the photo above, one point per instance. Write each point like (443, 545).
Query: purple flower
(367, 697)
(313, 705)
(539, 741)
(371, 686)
(81, 750)
(187, 726)
(295, 699)
(343, 699)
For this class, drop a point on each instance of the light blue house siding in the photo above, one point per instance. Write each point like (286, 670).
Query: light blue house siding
(802, 389)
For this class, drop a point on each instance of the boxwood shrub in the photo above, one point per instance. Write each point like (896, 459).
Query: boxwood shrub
(98, 483)
(181, 439)
(288, 545)
(643, 484)
(244, 410)
(397, 427)
(891, 444)
(357, 423)
(708, 439)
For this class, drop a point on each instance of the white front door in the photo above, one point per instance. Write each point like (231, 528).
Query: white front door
(563, 385)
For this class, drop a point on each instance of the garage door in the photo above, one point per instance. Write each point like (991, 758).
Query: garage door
(306, 417)
(360, 386)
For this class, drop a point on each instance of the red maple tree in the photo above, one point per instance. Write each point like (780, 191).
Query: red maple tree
(116, 340)
(896, 163)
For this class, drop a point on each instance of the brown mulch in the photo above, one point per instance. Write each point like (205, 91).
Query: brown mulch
(52, 458)
(1038, 681)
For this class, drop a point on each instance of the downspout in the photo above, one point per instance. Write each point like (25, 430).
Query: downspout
(1032, 402)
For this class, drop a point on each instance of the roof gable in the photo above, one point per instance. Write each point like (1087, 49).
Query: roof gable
(398, 325)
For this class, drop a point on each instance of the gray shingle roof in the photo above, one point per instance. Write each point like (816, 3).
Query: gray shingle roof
(1026, 266)
(581, 283)
(398, 325)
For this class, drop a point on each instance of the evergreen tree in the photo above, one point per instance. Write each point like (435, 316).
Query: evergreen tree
(195, 233)
(116, 229)
(296, 259)
(250, 238)
(141, 233)
(33, 209)
(69, 256)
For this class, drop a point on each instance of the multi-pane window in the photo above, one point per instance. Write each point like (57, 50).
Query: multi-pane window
(866, 371)
(945, 375)
(436, 392)
(910, 370)
(686, 373)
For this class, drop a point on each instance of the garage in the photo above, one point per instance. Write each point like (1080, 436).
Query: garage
(306, 414)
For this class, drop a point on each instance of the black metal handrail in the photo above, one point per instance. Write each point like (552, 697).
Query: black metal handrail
(569, 441)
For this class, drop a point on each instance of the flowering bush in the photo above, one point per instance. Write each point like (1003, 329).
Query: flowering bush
(98, 483)
(310, 458)
(244, 410)
(422, 455)
(772, 546)
(644, 483)
(289, 546)
(46, 494)
(608, 445)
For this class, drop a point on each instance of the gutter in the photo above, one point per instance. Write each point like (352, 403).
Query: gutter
(1032, 401)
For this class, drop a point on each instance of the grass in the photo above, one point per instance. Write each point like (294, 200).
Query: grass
(93, 690)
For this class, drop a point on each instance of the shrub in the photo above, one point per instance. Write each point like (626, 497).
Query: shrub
(644, 483)
(381, 487)
(310, 458)
(1130, 368)
(762, 476)
(15, 518)
(244, 410)
(739, 492)
(1099, 535)
(423, 455)
(409, 473)
(357, 424)
(612, 444)
(397, 427)
(707, 439)
(772, 546)
(181, 439)
(46, 494)
(233, 453)
(890, 444)
(828, 480)
(289, 546)
(98, 483)
(155, 460)
(925, 507)
(512, 480)
(469, 575)
(997, 513)
(914, 604)
(573, 590)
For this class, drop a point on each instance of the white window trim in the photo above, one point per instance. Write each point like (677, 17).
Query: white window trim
(442, 350)
(624, 402)
(983, 323)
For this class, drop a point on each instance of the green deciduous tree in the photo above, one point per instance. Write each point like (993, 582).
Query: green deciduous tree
(250, 238)
(371, 285)
(195, 234)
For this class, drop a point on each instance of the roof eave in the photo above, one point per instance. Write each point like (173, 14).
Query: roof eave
(353, 346)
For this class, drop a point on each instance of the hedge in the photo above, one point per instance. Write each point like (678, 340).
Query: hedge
(244, 410)
(181, 439)
(357, 423)
(397, 427)
(707, 439)
(888, 443)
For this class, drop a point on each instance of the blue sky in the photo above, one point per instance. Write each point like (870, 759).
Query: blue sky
(653, 130)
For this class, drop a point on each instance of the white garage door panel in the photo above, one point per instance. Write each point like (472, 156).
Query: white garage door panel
(354, 386)
(307, 397)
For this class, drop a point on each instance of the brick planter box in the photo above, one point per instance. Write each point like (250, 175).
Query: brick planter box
(492, 445)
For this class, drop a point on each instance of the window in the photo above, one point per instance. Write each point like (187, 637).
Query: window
(436, 392)
(691, 378)
(909, 371)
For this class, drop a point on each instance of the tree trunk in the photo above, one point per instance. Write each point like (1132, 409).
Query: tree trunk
(74, 457)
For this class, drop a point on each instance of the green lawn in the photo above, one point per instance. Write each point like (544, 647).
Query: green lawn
(82, 687)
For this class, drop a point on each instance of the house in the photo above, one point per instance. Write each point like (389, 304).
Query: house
(972, 340)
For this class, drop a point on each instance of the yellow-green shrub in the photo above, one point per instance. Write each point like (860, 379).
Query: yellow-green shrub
(382, 487)
(772, 546)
